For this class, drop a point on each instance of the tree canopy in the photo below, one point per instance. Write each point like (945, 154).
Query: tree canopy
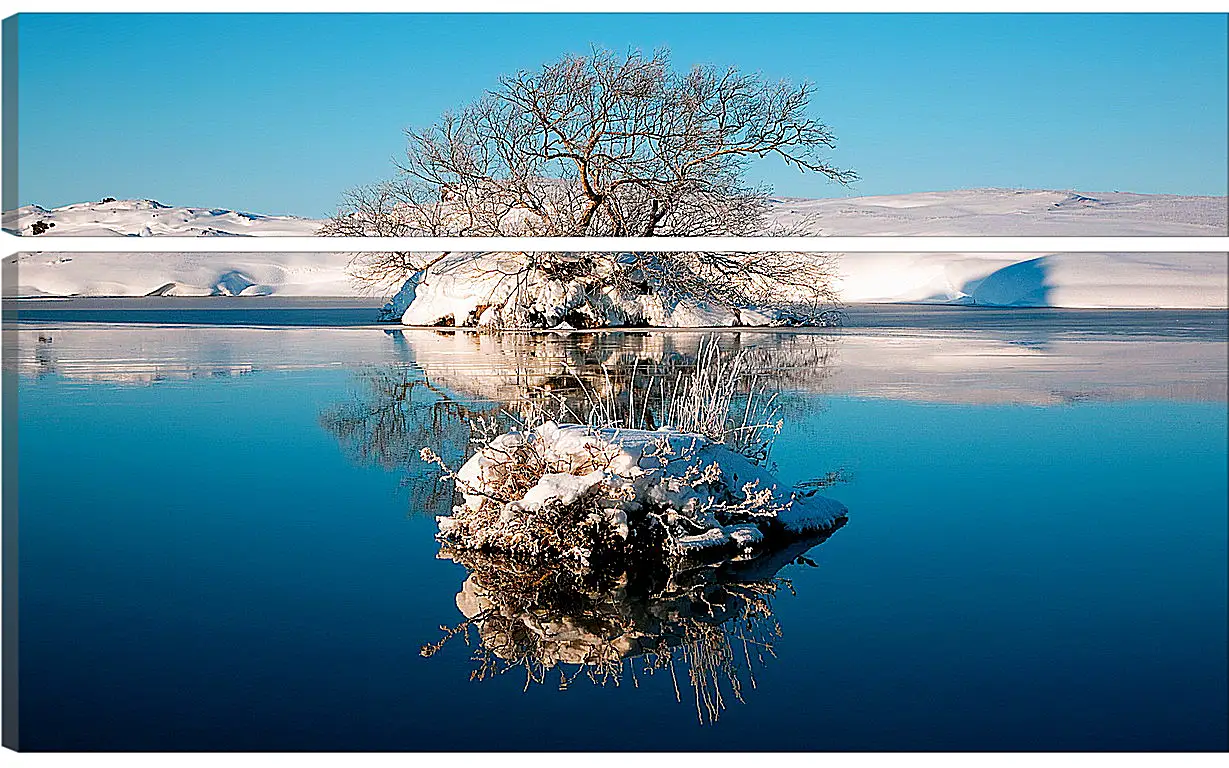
(599, 145)
(615, 145)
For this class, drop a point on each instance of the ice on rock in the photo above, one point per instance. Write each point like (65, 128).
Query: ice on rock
(710, 539)
(395, 307)
(745, 536)
(810, 514)
(558, 488)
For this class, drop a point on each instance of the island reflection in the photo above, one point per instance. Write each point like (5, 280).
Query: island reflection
(706, 628)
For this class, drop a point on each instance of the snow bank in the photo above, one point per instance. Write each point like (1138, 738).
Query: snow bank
(500, 290)
(184, 274)
(1073, 280)
(477, 289)
(1129, 280)
(570, 492)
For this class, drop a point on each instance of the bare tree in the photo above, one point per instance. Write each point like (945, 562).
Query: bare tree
(607, 145)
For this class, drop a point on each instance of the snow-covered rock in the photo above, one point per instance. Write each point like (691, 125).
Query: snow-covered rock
(568, 491)
(459, 288)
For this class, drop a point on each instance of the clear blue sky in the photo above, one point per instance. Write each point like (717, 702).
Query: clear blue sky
(282, 113)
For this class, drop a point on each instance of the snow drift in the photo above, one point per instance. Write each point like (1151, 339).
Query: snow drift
(183, 274)
(1073, 280)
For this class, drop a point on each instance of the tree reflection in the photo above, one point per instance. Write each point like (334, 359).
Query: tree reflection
(450, 379)
(392, 411)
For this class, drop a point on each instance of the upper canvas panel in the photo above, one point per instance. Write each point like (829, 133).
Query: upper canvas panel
(625, 125)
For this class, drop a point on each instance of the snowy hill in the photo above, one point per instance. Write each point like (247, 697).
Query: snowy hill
(997, 212)
(127, 218)
(1012, 213)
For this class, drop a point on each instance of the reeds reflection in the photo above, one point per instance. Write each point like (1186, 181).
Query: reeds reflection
(456, 379)
(707, 629)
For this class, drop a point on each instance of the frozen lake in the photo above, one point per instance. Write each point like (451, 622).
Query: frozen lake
(226, 537)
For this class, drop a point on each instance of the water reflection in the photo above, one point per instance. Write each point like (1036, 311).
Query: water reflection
(706, 629)
(1020, 364)
(394, 410)
(704, 622)
(518, 369)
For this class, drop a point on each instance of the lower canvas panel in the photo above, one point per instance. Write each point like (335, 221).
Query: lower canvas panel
(225, 516)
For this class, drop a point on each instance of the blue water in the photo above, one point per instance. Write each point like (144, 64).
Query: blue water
(204, 565)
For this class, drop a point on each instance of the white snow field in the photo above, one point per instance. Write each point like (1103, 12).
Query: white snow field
(1073, 280)
(1110, 280)
(183, 274)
